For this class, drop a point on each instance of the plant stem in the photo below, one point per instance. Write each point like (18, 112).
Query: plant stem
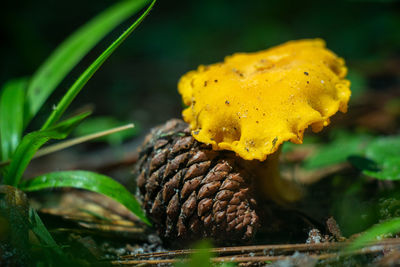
(75, 141)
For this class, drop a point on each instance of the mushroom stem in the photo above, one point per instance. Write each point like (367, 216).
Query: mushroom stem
(271, 184)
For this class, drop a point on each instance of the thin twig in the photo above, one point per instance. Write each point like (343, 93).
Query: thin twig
(243, 249)
(234, 258)
(259, 251)
(65, 144)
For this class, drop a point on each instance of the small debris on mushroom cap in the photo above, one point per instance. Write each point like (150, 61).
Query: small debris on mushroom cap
(274, 95)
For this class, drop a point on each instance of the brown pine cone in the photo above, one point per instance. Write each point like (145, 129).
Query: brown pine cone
(190, 191)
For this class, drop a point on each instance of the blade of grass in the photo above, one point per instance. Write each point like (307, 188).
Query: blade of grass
(84, 78)
(388, 227)
(71, 51)
(62, 145)
(11, 116)
(90, 181)
(40, 230)
(32, 142)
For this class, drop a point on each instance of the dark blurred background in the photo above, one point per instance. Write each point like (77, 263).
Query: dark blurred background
(139, 81)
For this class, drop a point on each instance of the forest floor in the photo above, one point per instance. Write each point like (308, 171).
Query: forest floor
(339, 203)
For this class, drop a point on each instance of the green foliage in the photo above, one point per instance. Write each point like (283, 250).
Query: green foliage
(353, 210)
(228, 264)
(377, 157)
(382, 149)
(71, 51)
(374, 233)
(386, 153)
(362, 163)
(20, 101)
(342, 146)
(200, 258)
(381, 159)
(88, 73)
(26, 149)
(40, 230)
(89, 181)
(389, 208)
(98, 124)
(11, 116)
(32, 142)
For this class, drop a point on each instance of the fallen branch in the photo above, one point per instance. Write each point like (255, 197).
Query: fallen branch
(262, 253)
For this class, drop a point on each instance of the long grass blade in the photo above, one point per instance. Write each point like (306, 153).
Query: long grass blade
(90, 181)
(11, 116)
(71, 51)
(40, 230)
(84, 78)
(391, 226)
(32, 142)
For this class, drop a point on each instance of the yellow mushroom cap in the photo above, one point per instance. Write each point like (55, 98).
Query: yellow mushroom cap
(253, 102)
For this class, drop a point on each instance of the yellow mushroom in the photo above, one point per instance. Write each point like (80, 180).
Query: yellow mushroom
(252, 102)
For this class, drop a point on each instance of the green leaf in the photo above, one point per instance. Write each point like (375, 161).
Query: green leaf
(383, 148)
(390, 170)
(11, 116)
(337, 151)
(90, 181)
(388, 227)
(40, 230)
(363, 163)
(201, 257)
(385, 154)
(84, 78)
(230, 264)
(32, 142)
(71, 51)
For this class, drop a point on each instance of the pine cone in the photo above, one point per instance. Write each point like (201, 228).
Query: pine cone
(190, 191)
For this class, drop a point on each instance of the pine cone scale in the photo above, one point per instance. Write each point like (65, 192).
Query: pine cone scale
(158, 160)
(224, 195)
(182, 144)
(189, 206)
(209, 189)
(176, 163)
(171, 186)
(173, 207)
(190, 186)
(204, 206)
(197, 169)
